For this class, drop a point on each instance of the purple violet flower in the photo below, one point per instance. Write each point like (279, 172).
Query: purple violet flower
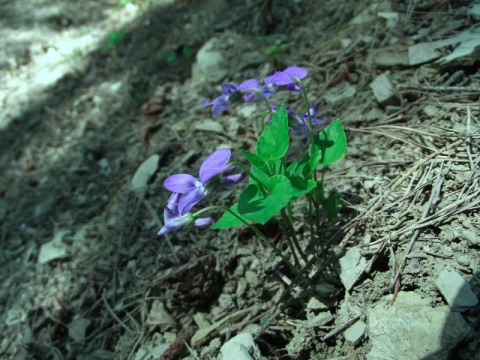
(194, 189)
(233, 94)
(297, 123)
(287, 79)
(174, 218)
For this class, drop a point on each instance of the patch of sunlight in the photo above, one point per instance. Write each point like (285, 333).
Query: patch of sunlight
(35, 59)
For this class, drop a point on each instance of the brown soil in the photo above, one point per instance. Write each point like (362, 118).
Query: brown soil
(92, 89)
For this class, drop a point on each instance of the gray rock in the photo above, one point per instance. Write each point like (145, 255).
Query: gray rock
(384, 91)
(412, 329)
(423, 53)
(466, 53)
(462, 259)
(145, 172)
(456, 291)
(389, 56)
(352, 264)
(355, 332)
(340, 94)
(240, 347)
(470, 235)
(319, 320)
(210, 61)
(226, 55)
(252, 278)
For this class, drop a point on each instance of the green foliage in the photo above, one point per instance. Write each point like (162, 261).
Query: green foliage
(276, 52)
(116, 37)
(258, 206)
(332, 142)
(133, 95)
(275, 180)
(332, 205)
(272, 185)
(276, 49)
(126, 2)
(273, 143)
(171, 57)
(184, 51)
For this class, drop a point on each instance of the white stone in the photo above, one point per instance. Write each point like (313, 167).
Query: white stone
(210, 125)
(391, 17)
(240, 347)
(467, 52)
(210, 62)
(355, 333)
(456, 291)
(77, 329)
(320, 319)
(340, 94)
(384, 91)
(412, 328)
(145, 172)
(54, 249)
(352, 264)
(470, 235)
(252, 278)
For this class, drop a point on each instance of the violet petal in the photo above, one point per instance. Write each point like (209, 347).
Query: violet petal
(180, 183)
(203, 221)
(278, 78)
(248, 84)
(214, 164)
(189, 200)
(295, 71)
(231, 179)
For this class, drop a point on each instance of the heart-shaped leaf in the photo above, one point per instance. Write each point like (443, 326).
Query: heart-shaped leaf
(332, 142)
(300, 186)
(228, 220)
(259, 207)
(273, 143)
(305, 165)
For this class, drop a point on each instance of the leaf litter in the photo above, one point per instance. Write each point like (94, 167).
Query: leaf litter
(71, 147)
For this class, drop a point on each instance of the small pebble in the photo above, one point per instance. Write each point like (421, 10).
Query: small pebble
(463, 260)
(456, 291)
(471, 236)
(355, 332)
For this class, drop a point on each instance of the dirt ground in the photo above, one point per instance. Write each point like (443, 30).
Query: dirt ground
(101, 101)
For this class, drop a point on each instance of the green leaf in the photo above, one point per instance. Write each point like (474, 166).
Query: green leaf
(276, 49)
(332, 205)
(187, 51)
(300, 186)
(133, 95)
(115, 37)
(332, 142)
(259, 207)
(171, 57)
(255, 160)
(259, 175)
(305, 165)
(273, 143)
(228, 220)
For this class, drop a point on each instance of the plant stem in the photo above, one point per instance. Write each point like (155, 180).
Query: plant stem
(311, 226)
(291, 231)
(262, 186)
(310, 121)
(254, 229)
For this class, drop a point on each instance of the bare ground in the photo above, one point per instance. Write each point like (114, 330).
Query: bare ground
(90, 90)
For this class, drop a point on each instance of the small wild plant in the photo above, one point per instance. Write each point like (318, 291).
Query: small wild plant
(273, 180)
